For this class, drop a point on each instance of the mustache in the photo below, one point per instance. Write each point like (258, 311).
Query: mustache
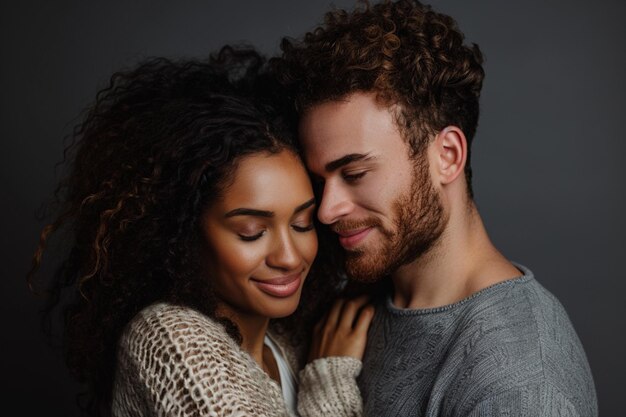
(347, 225)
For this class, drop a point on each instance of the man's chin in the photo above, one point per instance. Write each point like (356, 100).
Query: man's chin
(361, 267)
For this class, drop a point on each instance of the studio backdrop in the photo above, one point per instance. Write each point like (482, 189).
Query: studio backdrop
(548, 156)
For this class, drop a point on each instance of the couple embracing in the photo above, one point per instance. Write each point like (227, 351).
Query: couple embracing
(299, 237)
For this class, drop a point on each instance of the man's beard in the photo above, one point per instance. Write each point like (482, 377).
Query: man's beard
(419, 222)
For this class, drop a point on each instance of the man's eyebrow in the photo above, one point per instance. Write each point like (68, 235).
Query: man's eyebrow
(249, 212)
(304, 206)
(345, 160)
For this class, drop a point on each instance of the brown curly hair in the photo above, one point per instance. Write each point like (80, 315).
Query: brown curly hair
(405, 52)
(157, 146)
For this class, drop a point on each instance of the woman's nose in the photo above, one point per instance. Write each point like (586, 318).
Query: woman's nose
(285, 254)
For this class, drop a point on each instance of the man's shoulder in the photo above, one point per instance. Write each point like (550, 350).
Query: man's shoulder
(515, 336)
(519, 308)
(523, 320)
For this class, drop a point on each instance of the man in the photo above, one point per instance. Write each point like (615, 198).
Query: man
(388, 98)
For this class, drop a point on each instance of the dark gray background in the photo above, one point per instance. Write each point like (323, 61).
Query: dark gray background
(547, 157)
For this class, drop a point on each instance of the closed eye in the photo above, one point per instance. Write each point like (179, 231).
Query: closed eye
(251, 238)
(353, 177)
(303, 229)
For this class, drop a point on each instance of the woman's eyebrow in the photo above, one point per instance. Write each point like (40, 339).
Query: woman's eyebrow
(304, 206)
(265, 213)
(249, 212)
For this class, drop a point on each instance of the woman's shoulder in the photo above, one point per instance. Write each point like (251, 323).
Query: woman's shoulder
(163, 323)
(168, 339)
(186, 361)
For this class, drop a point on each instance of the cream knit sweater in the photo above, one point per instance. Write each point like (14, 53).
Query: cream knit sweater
(174, 361)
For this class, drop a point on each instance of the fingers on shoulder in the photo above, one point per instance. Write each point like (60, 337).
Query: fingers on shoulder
(364, 319)
(356, 313)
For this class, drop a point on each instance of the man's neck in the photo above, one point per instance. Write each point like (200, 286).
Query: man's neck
(462, 262)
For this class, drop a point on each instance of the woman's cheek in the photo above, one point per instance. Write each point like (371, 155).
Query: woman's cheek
(309, 247)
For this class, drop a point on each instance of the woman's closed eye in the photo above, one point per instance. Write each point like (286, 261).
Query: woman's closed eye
(303, 227)
(298, 227)
(250, 238)
(249, 234)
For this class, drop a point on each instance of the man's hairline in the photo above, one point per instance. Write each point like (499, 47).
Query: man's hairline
(395, 108)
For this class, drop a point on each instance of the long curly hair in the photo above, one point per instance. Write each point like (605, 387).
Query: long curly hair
(157, 146)
(406, 53)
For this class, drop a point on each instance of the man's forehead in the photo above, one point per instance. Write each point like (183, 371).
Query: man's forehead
(332, 136)
(324, 145)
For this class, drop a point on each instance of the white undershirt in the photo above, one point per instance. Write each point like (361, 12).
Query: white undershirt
(287, 378)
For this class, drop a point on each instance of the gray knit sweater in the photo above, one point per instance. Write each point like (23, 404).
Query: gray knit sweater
(508, 350)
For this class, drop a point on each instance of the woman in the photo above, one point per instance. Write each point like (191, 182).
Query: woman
(191, 222)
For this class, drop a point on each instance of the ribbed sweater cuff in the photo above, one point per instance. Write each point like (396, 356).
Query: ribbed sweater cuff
(328, 388)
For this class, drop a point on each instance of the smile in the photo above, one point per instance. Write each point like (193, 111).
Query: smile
(349, 239)
(281, 286)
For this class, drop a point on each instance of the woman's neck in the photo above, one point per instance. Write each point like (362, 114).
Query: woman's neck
(252, 329)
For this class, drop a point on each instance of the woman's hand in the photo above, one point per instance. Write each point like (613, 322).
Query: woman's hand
(343, 331)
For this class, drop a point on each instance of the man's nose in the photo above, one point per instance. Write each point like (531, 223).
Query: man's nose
(336, 203)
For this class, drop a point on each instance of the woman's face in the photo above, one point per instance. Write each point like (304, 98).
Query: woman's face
(259, 236)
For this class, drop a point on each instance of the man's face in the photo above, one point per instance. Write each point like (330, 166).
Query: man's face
(379, 201)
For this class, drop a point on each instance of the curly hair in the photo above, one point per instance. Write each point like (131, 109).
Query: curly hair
(157, 146)
(406, 53)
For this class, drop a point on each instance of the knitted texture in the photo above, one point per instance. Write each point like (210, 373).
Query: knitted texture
(508, 350)
(174, 361)
(328, 388)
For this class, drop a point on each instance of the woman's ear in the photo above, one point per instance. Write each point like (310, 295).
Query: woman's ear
(450, 154)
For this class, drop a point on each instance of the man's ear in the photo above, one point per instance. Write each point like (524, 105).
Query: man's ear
(450, 154)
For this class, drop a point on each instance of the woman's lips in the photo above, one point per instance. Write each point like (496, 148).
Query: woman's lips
(280, 287)
(349, 239)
